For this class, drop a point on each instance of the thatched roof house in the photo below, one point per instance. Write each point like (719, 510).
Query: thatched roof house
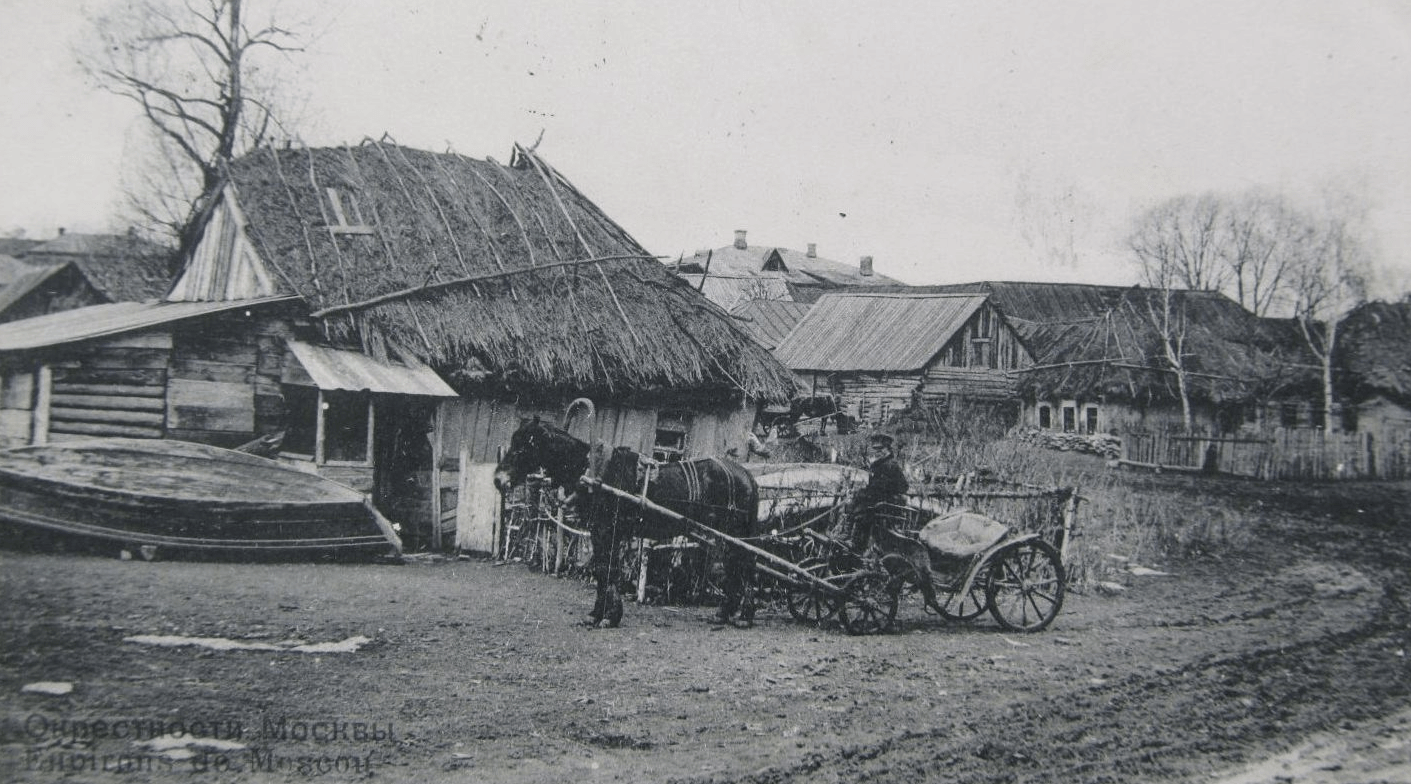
(385, 316)
(487, 272)
(1374, 364)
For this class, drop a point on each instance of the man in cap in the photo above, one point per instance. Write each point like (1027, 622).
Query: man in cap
(886, 485)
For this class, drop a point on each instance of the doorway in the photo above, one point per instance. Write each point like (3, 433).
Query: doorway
(402, 483)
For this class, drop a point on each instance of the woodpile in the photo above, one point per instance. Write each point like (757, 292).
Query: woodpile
(1102, 444)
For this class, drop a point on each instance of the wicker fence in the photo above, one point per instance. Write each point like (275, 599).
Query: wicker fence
(1281, 454)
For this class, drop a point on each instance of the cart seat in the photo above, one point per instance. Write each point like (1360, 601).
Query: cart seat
(962, 534)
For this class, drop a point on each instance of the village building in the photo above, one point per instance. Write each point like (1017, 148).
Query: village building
(1373, 362)
(74, 270)
(882, 353)
(740, 272)
(1100, 362)
(386, 317)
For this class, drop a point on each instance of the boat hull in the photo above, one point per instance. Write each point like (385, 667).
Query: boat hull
(185, 497)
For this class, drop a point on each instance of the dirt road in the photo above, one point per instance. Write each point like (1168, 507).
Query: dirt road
(1286, 662)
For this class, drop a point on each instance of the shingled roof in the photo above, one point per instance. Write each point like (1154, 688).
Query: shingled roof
(470, 266)
(851, 332)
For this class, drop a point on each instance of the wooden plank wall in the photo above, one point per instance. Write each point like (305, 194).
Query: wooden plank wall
(481, 428)
(16, 407)
(224, 383)
(113, 387)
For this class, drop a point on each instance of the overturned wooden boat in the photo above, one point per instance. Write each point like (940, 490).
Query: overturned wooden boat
(179, 496)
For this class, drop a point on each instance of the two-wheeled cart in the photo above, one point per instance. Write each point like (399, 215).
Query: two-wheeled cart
(962, 565)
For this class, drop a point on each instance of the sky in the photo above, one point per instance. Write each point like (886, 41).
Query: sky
(950, 141)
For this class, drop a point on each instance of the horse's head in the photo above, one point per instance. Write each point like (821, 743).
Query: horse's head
(537, 445)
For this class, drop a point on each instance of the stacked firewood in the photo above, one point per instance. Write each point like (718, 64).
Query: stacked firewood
(1102, 444)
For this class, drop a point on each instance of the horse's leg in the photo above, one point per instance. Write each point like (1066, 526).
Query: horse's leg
(747, 591)
(731, 603)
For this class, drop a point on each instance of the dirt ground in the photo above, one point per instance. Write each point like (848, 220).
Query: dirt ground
(1283, 663)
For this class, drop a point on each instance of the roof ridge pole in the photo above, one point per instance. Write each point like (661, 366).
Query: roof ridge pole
(441, 284)
(303, 224)
(534, 161)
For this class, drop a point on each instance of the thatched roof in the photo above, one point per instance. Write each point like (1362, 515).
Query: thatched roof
(1374, 351)
(475, 268)
(1091, 341)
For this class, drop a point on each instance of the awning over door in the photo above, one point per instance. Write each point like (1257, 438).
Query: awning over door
(331, 368)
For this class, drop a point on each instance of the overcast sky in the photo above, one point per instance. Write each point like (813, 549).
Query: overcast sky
(951, 141)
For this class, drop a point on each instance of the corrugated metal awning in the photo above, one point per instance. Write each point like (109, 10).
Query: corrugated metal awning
(99, 321)
(331, 368)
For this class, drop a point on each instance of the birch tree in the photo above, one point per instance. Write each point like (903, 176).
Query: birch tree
(202, 74)
(1328, 282)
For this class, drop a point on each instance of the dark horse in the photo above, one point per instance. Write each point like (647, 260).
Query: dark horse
(717, 492)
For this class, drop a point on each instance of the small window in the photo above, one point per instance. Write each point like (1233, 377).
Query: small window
(1070, 419)
(673, 427)
(1091, 421)
(1288, 415)
(1045, 417)
(984, 326)
(345, 216)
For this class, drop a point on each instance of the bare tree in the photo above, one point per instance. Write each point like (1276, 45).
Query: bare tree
(1328, 282)
(195, 69)
(1263, 240)
(1177, 244)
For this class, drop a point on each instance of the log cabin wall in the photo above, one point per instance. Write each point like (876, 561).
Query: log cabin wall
(979, 362)
(115, 387)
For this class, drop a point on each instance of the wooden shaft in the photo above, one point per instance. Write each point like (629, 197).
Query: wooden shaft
(710, 533)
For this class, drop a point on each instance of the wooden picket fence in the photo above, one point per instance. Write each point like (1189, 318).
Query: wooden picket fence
(1279, 454)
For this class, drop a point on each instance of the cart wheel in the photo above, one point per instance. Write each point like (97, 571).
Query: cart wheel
(1026, 586)
(967, 607)
(812, 605)
(870, 605)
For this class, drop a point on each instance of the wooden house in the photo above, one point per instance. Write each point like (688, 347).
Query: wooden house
(741, 272)
(1100, 364)
(391, 315)
(1373, 368)
(74, 270)
(881, 353)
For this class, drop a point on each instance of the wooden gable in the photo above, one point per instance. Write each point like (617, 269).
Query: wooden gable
(225, 264)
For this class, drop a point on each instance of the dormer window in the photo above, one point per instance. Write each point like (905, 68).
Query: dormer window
(346, 217)
(774, 262)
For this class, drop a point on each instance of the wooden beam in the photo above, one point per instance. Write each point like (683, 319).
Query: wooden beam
(403, 293)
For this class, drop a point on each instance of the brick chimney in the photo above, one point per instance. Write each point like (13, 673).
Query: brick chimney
(813, 250)
(740, 239)
(864, 267)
